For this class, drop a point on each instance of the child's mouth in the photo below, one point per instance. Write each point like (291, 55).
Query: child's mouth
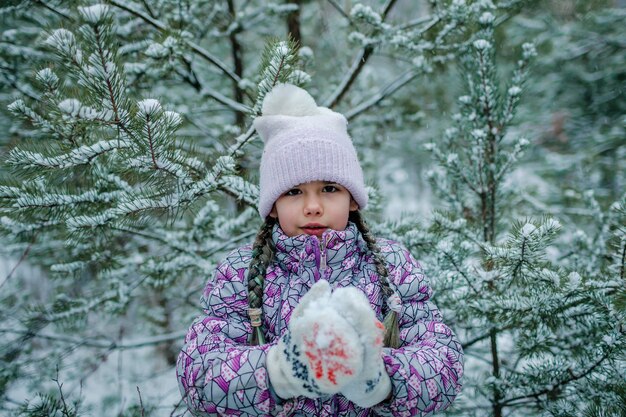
(316, 230)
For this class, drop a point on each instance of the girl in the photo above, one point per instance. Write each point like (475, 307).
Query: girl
(291, 323)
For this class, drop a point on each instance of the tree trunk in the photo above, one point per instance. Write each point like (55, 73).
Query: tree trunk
(293, 22)
(237, 54)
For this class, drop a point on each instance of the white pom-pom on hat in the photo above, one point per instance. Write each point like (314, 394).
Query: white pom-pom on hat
(304, 143)
(289, 100)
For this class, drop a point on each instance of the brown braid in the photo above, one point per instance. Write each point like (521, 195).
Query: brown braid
(392, 325)
(262, 254)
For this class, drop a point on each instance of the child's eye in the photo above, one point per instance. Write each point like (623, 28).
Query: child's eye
(293, 191)
(330, 189)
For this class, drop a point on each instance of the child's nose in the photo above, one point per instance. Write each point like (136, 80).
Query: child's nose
(313, 206)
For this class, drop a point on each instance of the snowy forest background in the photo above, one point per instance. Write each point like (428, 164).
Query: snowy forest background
(492, 134)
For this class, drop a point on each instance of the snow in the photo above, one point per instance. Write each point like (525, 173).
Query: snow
(174, 119)
(486, 18)
(529, 50)
(47, 76)
(18, 106)
(360, 39)
(365, 13)
(323, 340)
(609, 340)
(528, 229)
(149, 106)
(305, 52)
(75, 108)
(514, 91)
(156, 50)
(574, 280)
(94, 14)
(299, 77)
(61, 39)
(282, 8)
(282, 49)
(479, 134)
(89, 221)
(551, 276)
(419, 62)
(70, 106)
(482, 44)
(68, 267)
(170, 42)
(212, 132)
(444, 246)
(78, 156)
(552, 224)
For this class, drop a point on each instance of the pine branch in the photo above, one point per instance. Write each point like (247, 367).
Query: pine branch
(19, 262)
(495, 363)
(621, 270)
(141, 403)
(357, 66)
(193, 46)
(241, 140)
(386, 92)
(458, 269)
(482, 337)
(572, 377)
(150, 144)
(355, 69)
(53, 10)
(168, 242)
(420, 20)
(236, 53)
(521, 260)
(66, 412)
(339, 9)
(13, 83)
(103, 62)
(83, 155)
(220, 98)
(99, 343)
(148, 8)
(452, 165)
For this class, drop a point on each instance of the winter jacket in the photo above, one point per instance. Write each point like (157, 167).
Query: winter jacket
(220, 374)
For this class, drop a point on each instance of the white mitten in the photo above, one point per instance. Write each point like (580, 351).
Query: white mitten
(320, 352)
(372, 385)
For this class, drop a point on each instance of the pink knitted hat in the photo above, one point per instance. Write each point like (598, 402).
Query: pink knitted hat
(304, 143)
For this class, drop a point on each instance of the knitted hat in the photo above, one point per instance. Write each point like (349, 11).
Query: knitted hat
(304, 143)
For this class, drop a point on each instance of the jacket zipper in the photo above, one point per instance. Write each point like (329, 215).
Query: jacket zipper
(322, 256)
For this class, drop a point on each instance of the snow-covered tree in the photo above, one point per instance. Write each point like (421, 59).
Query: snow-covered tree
(542, 321)
(129, 169)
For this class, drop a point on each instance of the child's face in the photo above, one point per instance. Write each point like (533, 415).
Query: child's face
(313, 207)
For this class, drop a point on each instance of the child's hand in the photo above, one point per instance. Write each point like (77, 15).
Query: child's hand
(319, 354)
(372, 385)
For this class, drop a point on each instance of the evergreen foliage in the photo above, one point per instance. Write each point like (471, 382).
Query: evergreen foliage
(129, 170)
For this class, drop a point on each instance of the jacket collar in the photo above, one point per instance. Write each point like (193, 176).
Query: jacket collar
(308, 251)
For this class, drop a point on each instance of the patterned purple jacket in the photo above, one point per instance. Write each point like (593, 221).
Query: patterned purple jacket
(219, 374)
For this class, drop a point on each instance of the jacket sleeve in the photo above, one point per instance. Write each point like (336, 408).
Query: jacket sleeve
(426, 370)
(218, 373)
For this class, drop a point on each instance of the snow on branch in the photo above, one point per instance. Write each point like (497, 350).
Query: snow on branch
(94, 14)
(51, 199)
(80, 156)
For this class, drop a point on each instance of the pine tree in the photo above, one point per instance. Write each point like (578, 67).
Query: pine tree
(130, 169)
(538, 331)
(118, 206)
